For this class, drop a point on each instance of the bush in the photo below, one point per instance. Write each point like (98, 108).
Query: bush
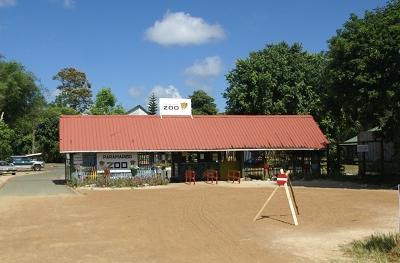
(377, 247)
(101, 181)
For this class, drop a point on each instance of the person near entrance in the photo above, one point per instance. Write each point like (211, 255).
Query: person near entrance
(134, 168)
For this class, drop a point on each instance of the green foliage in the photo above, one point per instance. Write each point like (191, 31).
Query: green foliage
(378, 247)
(152, 106)
(6, 137)
(75, 90)
(202, 103)
(136, 181)
(19, 94)
(280, 79)
(47, 134)
(106, 103)
(363, 73)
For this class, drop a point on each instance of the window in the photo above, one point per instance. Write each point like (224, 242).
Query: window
(215, 157)
(144, 159)
(231, 156)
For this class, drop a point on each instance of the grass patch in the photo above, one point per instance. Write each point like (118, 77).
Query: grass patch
(375, 248)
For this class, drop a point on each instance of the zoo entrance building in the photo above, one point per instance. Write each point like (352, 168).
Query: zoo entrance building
(258, 146)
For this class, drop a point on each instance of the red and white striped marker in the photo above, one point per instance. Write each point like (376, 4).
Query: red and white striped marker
(281, 178)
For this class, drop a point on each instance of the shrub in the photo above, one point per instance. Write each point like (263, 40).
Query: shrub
(377, 247)
(101, 181)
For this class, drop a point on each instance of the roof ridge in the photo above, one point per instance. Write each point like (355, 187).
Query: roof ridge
(186, 116)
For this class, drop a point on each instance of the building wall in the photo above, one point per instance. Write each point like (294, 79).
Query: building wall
(380, 157)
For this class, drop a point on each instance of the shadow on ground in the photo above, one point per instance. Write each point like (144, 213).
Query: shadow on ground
(328, 183)
(59, 181)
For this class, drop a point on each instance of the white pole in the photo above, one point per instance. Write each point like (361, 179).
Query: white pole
(398, 194)
(291, 205)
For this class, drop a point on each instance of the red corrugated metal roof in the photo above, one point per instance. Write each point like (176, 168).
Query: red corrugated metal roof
(91, 133)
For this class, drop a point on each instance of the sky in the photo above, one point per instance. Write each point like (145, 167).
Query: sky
(170, 48)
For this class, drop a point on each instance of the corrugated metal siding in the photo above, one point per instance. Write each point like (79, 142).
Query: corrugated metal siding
(147, 133)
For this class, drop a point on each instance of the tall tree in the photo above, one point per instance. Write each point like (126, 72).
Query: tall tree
(75, 89)
(202, 103)
(280, 79)
(6, 138)
(19, 94)
(106, 103)
(47, 135)
(152, 106)
(363, 73)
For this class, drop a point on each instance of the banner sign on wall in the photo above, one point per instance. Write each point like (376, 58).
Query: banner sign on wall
(170, 106)
(116, 161)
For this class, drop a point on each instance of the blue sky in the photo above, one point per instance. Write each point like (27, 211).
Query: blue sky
(167, 47)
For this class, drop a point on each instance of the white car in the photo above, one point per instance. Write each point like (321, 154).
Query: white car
(6, 167)
(23, 162)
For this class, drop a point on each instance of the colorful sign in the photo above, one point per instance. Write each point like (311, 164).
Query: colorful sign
(116, 161)
(170, 106)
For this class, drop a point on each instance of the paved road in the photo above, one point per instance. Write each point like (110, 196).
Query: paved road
(46, 183)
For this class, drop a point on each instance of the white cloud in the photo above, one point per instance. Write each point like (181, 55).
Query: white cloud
(4, 3)
(135, 92)
(209, 67)
(165, 92)
(199, 84)
(201, 74)
(69, 3)
(183, 29)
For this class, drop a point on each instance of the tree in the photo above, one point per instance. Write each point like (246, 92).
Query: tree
(280, 79)
(106, 103)
(75, 89)
(202, 103)
(19, 94)
(152, 106)
(47, 135)
(6, 138)
(363, 73)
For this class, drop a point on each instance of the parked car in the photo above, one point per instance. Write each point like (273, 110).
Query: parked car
(24, 162)
(6, 167)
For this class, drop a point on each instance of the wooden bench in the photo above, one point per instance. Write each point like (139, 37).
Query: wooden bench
(190, 176)
(211, 176)
(234, 175)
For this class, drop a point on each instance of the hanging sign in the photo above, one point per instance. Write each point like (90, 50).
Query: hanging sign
(170, 106)
(362, 148)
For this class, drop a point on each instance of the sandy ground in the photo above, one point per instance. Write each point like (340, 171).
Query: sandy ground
(182, 223)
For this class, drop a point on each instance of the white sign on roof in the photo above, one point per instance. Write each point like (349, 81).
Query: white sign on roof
(170, 106)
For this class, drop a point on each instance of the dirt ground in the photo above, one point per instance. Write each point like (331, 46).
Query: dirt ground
(182, 223)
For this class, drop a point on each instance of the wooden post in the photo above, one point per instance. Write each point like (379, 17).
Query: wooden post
(291, 205)
(265, 204)
(289, 198)
(294, 198)
(382, 157)
(398, 193)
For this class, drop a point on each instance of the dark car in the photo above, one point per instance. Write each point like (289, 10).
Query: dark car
(6, 167)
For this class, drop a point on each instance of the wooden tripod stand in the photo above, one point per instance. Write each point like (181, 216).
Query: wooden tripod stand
(285, 182)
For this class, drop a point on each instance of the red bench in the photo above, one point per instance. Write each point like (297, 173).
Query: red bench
(234, 175)
(190, 176)
(211, 176)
